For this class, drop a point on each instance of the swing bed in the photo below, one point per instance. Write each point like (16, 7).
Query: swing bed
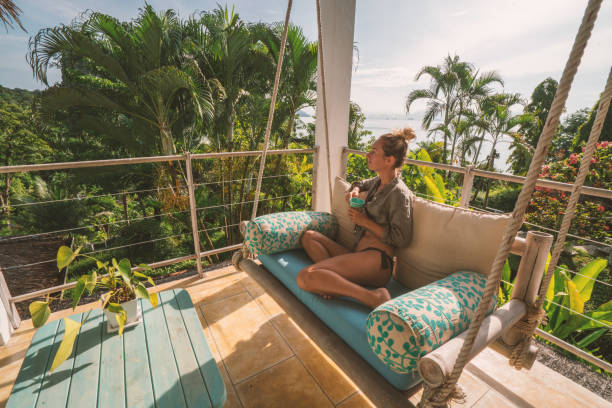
(443, 307)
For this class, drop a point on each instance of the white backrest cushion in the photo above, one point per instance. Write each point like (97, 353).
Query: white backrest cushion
(340, 207)
(448, 239)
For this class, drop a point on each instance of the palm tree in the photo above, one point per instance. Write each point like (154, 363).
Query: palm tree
(297, 87)
(502, 122)
(225, 49)
(524, 145)
(473, 88)
(130, 69)
(443, 94)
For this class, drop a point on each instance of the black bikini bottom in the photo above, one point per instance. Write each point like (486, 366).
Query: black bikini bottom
(385, 260)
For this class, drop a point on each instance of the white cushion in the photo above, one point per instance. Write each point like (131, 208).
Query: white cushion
(346, 236)
(448, 239)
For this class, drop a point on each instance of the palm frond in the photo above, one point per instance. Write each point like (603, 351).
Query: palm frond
(9, 13)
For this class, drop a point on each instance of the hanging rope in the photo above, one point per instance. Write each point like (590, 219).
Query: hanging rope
(279, 66)
(324, 99)
(533, 319)
(441, 396)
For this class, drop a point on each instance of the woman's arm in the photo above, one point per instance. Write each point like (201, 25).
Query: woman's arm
(359, 187)
(361, 218)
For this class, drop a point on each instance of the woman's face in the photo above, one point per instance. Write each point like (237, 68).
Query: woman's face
(377, 160)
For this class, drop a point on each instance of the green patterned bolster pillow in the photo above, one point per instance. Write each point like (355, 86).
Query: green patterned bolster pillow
(404, 329)
(272, 233)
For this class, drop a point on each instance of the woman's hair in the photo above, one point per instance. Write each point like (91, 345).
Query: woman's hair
(396, 144)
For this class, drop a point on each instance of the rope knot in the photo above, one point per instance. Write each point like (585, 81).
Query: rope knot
(434, 398)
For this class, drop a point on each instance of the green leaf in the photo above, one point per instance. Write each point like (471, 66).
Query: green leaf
(106, 298)
(591, 337)
(65, 256)
(141, 291)
(506, 272)
(585, 283)
(550, 292)
(121, 319)
(125, 269)
(40, 312)
(120, 315)
(603, 315)
(432, 189)
(65, 349)
(142, 275)
(90, 283)
(576, 302)
(78, 291)
(114, 307)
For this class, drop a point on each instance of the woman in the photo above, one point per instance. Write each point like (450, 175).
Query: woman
(385, 224)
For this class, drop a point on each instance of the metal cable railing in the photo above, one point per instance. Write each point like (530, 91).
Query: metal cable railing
(54, 166)
(3, 239)
(249, 179)
(98, 251)
(85, 197)
(250, 201)
(498, 211)
(569, 309)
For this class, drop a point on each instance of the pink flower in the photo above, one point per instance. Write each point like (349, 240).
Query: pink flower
(573, 159)
(600, 208)
(604, 144)
(583, 149)
(593, 160)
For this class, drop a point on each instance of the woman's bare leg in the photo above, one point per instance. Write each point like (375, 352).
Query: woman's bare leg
(319, 247)
(344, 275)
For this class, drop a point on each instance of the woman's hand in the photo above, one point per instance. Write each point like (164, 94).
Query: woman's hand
(350, 194)
(358, 217)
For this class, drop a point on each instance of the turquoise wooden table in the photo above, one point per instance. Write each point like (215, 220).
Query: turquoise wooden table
(163, 362)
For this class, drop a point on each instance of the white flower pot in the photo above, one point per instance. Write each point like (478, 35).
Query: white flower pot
(134, 316)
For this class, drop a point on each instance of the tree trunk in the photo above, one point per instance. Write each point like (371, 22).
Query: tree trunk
(7, 190)
(479, 147)
(125, 208)
(490, 168)
(209, 241)
(6, 200)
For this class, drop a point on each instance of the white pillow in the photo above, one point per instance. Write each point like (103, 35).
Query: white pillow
(346, 236)
(448, 239)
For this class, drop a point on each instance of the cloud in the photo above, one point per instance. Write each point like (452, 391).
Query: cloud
(391, 77)
(458, 13)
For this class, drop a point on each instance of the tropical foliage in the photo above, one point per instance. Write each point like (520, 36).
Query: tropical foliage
(161, 85)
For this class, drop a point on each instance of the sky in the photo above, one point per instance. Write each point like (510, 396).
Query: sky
(525, 41)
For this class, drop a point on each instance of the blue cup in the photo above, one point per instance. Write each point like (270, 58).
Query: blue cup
(356, 202)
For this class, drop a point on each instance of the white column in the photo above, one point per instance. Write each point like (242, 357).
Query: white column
(338, 26)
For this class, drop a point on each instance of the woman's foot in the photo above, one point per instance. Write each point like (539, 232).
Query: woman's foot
(379, 296)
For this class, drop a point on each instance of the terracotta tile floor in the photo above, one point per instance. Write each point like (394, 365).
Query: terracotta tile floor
(272, 352)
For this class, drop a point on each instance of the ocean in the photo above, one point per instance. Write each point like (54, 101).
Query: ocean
(380, 124)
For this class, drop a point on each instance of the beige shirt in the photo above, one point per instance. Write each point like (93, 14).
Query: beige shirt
(390, 208)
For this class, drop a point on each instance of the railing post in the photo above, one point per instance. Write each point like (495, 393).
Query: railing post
(193, 211)
(12, 322)
(315, 170)
(466, 189)
(529, 275)
(344, 164)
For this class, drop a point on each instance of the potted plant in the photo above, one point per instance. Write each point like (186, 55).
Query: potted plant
(122, 288)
